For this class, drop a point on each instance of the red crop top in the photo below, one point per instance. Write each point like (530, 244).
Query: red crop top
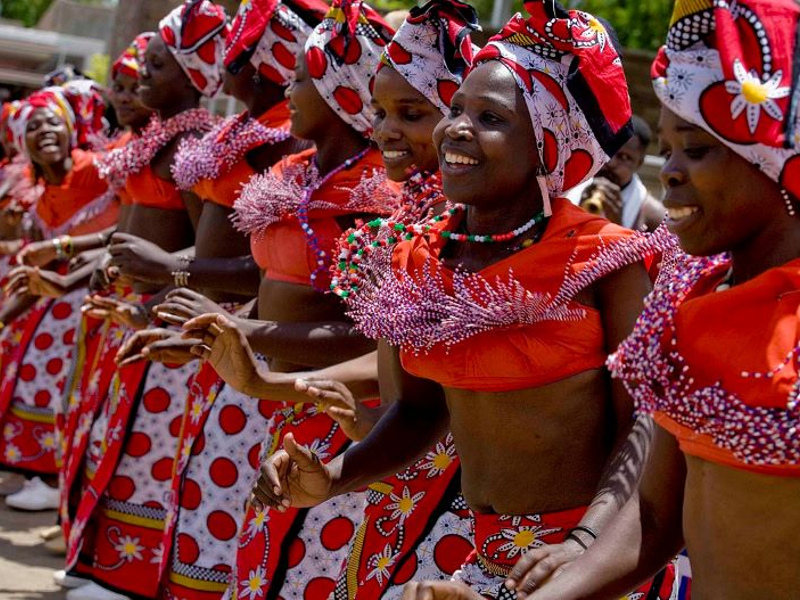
(145, 188)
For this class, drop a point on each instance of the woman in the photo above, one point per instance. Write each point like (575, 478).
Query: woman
(126, 476)
(724, 399)
(506, 337)
(38, 343)
(294, 214)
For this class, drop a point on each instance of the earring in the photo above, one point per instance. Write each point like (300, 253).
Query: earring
(256, 78)
(787, 200)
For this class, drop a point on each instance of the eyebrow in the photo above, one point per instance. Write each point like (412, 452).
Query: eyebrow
(687, 128)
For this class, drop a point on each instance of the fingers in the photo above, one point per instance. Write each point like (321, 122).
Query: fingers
(533, 570)
(200, 324)
(201, 351)
(271, 489)
(173, 349)
(333, 392)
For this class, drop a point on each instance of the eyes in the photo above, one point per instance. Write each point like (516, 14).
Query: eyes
(35, 124)
(692, 152)
(488, 118)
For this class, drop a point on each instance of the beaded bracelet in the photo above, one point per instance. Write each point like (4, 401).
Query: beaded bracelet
(60, 255)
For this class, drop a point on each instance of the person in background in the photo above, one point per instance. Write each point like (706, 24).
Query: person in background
(618, 193)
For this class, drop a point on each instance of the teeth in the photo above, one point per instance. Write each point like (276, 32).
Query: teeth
(681, 213)
(394, 153)
(458, 159)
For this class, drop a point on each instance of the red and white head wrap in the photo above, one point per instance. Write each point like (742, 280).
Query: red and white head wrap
(730, 68)
(342, 56)
(195, 35)
(432, 49)
(130, 61)
(270, 35)
(77, 103)
(571, 76)
(8, 114)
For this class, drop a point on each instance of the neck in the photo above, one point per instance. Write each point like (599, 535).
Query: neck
(505, 215)
(55, 174)
(180, 105)
(264, 100)
(772, 247)
(337, 147)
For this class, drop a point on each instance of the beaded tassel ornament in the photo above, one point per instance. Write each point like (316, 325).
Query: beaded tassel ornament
(267, 199)
(115, 166)
(221, 149)
(420, 312)
(659, 378)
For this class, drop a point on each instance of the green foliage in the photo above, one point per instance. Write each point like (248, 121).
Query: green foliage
(639, 23)
(99, 66)
(27, 11)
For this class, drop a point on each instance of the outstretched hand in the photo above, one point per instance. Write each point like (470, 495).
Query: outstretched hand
(292, 477)
(36, 282)
(183, 304)
(125, 313)
(220, 341)
(140, 259)
(156, 345)
(355, 419)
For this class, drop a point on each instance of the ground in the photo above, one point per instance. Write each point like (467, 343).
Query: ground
(26, 569)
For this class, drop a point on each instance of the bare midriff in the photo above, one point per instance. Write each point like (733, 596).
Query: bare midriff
(284, 302)
(533, 450)
(742, 531)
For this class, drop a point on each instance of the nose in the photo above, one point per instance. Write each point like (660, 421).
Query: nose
(385, 130)
(459, 128)
(672, 173)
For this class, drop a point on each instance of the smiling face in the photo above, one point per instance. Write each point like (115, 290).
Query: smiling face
(127, 105)
(47, 137)
(486, 144)
(716, 200)
(161, 76)
(403, 126)
(309, 112)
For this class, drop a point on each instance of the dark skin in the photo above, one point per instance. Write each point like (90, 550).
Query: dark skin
(404, 123)
(681, 497)
(566, 427)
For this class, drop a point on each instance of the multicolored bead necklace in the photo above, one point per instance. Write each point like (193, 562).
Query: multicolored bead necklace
(346, 273)
(118, 164)
(302, 214)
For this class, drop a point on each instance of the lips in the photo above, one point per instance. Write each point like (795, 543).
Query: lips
(394, 154)
(681, 217)
(455, 158)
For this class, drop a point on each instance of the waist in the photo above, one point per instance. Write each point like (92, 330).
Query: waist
(500, 540)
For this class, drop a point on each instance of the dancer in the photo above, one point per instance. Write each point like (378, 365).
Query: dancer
(562, 286)
(725, 400)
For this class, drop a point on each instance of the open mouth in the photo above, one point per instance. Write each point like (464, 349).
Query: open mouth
(680, 217)
(394, 154)
(454, 158)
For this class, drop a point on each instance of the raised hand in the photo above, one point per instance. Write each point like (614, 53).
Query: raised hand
(292, 477)
(439, 590)
(34, 281)
(157, 345)
(183, 304)
(355, 419)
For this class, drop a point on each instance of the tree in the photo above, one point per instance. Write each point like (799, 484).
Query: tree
(27, 11)
(133, 17)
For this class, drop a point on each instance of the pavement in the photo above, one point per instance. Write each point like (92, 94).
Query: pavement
(26, 568)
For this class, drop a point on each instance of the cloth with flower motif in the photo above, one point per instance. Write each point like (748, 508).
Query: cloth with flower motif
(401, 512)
(195, 34)
(131, 458)
(342, 56)
(500, 541)
(736, 403)
(300, 550)
(219, 452)
(267, 210)
(731, 68)
(433, 49)
(129, 63)
(571, 76)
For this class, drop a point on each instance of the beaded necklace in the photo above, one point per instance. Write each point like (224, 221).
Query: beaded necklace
(118, 164)
(303, 208)
(221, 149)
(346, 273)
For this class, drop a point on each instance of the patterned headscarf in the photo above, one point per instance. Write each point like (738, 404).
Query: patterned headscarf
(130, 61)
(79, 105)
(270, 34)
(7, 114)
(195, 35)
(571, 76)
(342, 55)
(732, 69)
(17, 121)
(432, 49)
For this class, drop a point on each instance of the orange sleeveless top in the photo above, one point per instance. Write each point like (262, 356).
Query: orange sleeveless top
(282, 250)
(80, 204)
(719, 369)
(519, 348)
(224, 190)
(145, 188)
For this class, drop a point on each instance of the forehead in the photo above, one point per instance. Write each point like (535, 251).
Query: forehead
(156, 47)
(41, 113)
(391, 86)
(493, 82)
